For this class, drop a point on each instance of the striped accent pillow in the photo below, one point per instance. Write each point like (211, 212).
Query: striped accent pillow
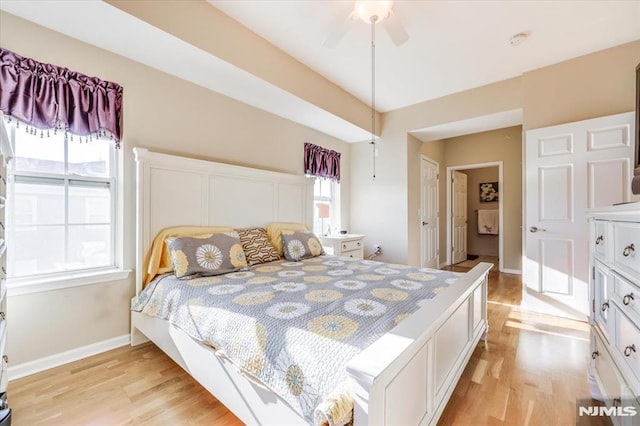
(256, 246)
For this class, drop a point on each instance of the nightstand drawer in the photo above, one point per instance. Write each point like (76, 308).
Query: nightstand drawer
(346, 246)
(354, 254)
(350, 245)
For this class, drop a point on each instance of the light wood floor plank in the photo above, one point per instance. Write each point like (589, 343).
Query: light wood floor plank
(530, 372)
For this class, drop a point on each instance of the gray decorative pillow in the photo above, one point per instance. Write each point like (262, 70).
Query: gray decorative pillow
(300, 245)
(207, 255)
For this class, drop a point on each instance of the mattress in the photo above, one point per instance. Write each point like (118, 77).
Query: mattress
(294, 326)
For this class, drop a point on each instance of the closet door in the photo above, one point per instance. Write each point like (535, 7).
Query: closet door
(569, 168)
(459, 213)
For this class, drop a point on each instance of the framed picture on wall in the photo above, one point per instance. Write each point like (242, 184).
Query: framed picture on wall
(488, 192)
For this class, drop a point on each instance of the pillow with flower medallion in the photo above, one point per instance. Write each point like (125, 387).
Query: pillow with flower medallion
(274, 232)
(298, 245)
(206, 255)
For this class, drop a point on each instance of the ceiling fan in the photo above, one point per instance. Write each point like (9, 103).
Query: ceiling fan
(371, 12)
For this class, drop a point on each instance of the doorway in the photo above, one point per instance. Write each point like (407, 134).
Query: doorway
(475, 214)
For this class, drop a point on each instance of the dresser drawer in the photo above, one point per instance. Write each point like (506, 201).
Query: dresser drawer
(346, 246)
(627, 293)
(626, 246)
(627, 336)
(600, 239)
(607, 376)
(3, 337)
(4, 377)
(602, 293)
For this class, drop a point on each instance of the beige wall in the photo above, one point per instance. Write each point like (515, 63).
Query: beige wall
(598, 84)
(393, 223)
(595, 85)
(480, 244)
(497, 145)
(162, 113)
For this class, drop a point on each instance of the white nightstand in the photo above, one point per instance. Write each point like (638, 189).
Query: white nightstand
(347, 245)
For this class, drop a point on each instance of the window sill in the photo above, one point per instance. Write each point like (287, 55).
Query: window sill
(22, 287)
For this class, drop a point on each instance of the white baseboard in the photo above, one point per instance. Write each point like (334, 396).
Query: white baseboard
(512, 271)
(56, 360)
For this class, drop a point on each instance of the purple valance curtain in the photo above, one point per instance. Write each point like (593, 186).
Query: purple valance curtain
(46, 96)
(321, 162)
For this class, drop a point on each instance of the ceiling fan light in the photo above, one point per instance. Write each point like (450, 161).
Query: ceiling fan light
(372, 10)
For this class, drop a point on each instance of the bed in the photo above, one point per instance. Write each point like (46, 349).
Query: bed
(404, 375)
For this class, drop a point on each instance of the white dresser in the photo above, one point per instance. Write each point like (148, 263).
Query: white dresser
(615, 307)
(6, 154)
(348, 245)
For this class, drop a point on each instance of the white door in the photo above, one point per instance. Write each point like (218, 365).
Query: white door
(570, 168)
(429, 240)
(459, 215)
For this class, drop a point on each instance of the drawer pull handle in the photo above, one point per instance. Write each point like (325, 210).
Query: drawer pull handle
(599, 239)
(344, 246)
(629, 349)
(5, 358)
(3, 315)
(595, 354)
(627, 298)
(628, 250)
(605, 306)
(617, 402)
(358, 243)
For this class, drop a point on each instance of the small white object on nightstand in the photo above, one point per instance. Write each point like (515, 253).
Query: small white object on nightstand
(347, 245)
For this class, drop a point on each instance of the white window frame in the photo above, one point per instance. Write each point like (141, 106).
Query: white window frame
(86, 276)
(334, 206)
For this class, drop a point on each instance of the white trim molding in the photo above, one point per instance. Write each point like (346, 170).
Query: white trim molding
(20, 287)
(38, 365)
(512, 271)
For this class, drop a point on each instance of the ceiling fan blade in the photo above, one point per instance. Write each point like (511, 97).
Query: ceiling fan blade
(395, 29)
(339, 28)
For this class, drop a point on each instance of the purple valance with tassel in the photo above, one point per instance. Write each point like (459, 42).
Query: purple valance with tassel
(321, 162)
(46, 96)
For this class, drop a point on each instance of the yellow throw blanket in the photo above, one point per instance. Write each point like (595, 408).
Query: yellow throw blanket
(158, 261)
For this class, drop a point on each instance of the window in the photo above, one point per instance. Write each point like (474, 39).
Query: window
(61, 204)
(326, 209)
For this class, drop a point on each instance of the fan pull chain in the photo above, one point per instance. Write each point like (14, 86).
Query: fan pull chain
(373, 92)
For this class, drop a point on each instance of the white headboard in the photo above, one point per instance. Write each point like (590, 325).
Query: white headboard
(174, 191)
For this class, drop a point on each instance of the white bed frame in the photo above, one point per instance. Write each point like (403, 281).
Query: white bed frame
(406, 377)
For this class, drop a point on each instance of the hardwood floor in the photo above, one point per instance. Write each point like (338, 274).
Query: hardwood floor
(530, 372)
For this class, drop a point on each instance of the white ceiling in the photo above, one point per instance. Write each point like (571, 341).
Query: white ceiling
(453, 46)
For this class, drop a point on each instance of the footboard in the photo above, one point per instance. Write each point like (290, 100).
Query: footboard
(408, 375)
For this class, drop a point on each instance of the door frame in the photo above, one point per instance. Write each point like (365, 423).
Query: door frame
(430, 160)
(450, 170)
